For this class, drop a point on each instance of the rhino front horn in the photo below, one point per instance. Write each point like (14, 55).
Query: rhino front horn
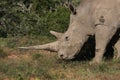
(50, 47)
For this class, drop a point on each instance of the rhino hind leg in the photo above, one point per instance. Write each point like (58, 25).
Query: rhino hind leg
(103, 35)
(117, 50)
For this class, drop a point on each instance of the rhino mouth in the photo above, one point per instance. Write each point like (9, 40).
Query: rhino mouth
(72, 57)
(69, 58)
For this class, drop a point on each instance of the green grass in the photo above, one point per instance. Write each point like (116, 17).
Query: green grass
(2, 53)
(43, 65)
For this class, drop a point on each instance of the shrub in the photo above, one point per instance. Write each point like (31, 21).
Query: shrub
(43, 16)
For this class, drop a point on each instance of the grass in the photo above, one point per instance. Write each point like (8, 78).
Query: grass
(44, 65)
(2, 53)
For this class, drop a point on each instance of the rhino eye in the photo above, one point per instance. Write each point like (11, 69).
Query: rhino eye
(66, 38)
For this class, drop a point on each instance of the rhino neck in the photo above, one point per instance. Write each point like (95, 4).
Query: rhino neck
(80, 29)
(83, 21)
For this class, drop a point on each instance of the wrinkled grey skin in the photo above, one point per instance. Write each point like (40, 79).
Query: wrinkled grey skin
(91, 17)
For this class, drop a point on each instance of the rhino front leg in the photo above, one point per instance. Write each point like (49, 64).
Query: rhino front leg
(117, 46)
(103, 35)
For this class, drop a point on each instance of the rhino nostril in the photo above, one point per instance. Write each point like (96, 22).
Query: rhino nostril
(61, 55)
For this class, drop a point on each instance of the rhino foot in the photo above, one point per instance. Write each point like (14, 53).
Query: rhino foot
(116, 52)
(95, 61)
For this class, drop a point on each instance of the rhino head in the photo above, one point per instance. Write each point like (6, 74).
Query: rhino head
(69, 43)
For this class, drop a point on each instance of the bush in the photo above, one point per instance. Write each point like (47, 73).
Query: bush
(44, 15)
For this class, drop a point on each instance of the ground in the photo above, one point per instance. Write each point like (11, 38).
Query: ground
(18, 64)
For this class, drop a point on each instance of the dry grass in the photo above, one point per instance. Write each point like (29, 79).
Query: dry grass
(44, 65)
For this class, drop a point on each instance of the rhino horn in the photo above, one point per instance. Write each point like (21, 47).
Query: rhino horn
(56, 34)
(50, 47)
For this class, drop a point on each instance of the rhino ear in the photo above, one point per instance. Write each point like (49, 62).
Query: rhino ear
(73, 10)
(71, 7)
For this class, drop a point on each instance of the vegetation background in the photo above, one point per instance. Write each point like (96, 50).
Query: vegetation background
(28, 22)
(32, 17)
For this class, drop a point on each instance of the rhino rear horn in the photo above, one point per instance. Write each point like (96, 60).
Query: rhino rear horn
(56, 34)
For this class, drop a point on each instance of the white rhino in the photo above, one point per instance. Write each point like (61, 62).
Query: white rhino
(92, 17)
